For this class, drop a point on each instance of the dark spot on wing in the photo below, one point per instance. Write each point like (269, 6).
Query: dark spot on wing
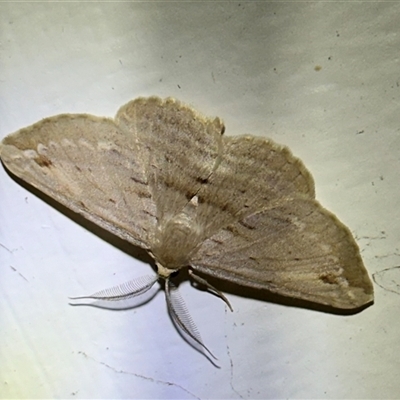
(224, 207)
(217, 241)
(202, 180)
(232, 229)
(247, 225)
(148, 213)
(142, 195)
(329, 279)
(134, 179)
(42, 161)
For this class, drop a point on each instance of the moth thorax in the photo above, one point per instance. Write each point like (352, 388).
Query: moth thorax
(175, 241)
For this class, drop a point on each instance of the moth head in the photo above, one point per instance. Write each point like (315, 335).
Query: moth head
(163, 272)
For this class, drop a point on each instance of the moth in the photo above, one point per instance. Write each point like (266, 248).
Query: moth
(165, 178)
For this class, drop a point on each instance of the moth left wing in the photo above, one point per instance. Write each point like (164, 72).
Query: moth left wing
(89, 165)
(179, 149)
(296, 249)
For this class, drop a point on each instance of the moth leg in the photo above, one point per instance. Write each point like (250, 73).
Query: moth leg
(203, 282)
(181, 316)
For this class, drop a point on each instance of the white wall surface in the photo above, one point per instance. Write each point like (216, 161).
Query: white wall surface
(322, 78)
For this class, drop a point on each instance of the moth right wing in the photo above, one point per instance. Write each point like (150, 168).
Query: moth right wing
(296, 249)
(253, 173)
(89, 165)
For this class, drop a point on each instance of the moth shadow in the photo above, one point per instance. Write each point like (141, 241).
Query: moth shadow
(269, 297)
(102, 233)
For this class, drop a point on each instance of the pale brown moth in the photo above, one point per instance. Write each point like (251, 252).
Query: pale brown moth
(167, 179)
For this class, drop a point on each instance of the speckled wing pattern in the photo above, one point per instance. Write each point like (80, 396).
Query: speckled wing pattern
(249, 203)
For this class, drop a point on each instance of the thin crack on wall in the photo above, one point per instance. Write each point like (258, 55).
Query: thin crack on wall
(147, 378)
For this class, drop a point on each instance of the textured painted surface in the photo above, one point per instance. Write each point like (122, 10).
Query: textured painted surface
(321, 78)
